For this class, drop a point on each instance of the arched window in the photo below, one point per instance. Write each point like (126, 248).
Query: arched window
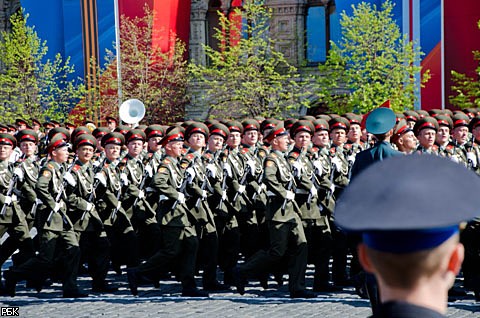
(214, 8)
(321, 26)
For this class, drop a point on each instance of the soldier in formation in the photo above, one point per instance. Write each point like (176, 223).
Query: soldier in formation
(243, 198)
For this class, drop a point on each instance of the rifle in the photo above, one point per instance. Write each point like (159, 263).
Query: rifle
(224, 184)
(292, 181)
(332, 173)
(60, 192)
(183, 186)
(119, 193)
(96, 169)
(247, 170)
(11, 188)
(208, 175)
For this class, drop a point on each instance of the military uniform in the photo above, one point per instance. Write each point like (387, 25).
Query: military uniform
(180, 243)
(54, 226)
(12, 218)
(285, 226)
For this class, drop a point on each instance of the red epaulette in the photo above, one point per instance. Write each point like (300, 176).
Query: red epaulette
(449, 147)
(294, 154)
(184, 151)
(76, 167)
(314, 149)
(347, 146)
(244, 150)
(166, 161)
(435, 147)
(208, 155)
(333, 150)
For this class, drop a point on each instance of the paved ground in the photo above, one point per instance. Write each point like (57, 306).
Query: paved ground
(165, 302)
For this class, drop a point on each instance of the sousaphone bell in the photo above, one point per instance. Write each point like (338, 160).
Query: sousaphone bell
(132, 111)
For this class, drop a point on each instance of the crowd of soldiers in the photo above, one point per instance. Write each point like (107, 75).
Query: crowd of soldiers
(197, 197)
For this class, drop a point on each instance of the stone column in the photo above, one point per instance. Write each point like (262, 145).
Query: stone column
(198, 27)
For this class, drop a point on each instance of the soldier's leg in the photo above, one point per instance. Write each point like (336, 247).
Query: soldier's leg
(96, 248)
(263, 261)
(187, 259)
(71, 261)
(229, 249)
(207, 255)
(298, 260)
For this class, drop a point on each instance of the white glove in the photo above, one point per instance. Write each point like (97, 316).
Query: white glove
(190, 174)
(313, 191)
(57, 207)
(241, 189)
(224, 195)
(19, 173)
(472, 158)
(332, 187)
(181, 198)
(454, 158)
(96, 163)
(336, 162)
(69, 178)
(8, 200)
(149, 170)
(38, 201)
(212, 169)
(124, 178)
(318, 168)
(204, 194)
(298, 167)
(351, 159)
(89, 206)
(261, 188)
(228, 169)
(251, 164)
(290, 195)
(101, 178)
(141, 194)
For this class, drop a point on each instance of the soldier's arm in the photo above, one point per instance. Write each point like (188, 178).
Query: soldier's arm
(271, 180)
(161, 182)
(42, 188)
(74, 200)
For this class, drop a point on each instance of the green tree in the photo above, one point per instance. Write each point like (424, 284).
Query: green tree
(247, 76)
(466, 89)
(29, 87)
(372, 63)
(158, 79)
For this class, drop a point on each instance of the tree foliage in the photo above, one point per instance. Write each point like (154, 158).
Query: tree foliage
(247, 76)
(158, 79)
(29, 87)
(372, 63)
(466, 89)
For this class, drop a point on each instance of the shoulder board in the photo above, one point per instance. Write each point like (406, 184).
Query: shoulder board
(449, 147)
(166, 161)
(189, 156)
(347, 146)
(274, 155)
(294, 154)
(435, 147)
(244, 150)
(50, 166)
(184, 151)
(333, 150)
(314, 149)
(76, 167)
(208, 155)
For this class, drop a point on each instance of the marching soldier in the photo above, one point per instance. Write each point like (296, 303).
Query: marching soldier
(56, 228)
(109, 206)
(462, 151)
(442, 138)
(81, 188)
(224, 216)
(404, 138)
(285, 226)
(306, 197)
(340, 169)
(180, 243)
(12, 218)
(199, 190)
(321, 160)
(425, 130)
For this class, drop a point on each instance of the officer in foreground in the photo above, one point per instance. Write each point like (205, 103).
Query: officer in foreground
(410, 229)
